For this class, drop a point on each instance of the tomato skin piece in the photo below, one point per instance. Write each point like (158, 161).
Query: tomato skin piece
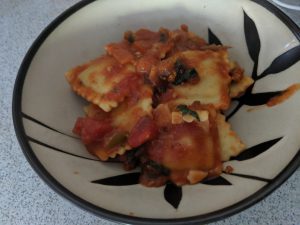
(144, 130)
(91, 130)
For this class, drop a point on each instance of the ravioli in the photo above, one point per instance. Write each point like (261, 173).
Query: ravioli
(102, 81)
(189, 147)
(238, 88)
(231, 144)
(122, 120)
(156, 101)
(212, 86)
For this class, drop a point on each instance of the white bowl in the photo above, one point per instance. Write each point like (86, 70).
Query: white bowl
(264, 41)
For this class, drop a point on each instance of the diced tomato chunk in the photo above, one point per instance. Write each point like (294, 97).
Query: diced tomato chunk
(91, 130)
(143, 131)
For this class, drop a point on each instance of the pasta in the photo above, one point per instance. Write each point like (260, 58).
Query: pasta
(156, 101)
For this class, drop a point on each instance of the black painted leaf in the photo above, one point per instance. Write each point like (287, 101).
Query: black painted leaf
(249, 177)
(259, 98)
(213, 39)
(46, 126)
(173, 194)
(217, 181)
(234, 111)
(283, 62)
(58, 149)
(120, 180)
(255, 99)
(255, 150)
(252, 37)
(253, 42)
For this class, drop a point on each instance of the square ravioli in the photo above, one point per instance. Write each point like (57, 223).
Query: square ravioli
(103, 81)
(187, 144)
(115, 126)
(197, 76)
(157, 100)
(238, 88)
(231, 144)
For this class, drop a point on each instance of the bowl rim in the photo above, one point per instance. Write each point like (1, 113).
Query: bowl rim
(104, 213)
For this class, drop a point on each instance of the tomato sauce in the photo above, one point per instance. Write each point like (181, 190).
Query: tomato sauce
(121, 52)
(91, 130)
(185, 146)
(285, 95)
(183, 153)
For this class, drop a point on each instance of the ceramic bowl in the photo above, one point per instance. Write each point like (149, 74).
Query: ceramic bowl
(263, 40)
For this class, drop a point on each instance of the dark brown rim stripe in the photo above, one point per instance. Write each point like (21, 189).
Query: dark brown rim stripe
(55, 185)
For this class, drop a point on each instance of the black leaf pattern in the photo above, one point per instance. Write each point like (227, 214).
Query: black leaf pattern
(46, 126)
(251, 177)
(255, 150)
(283, 62)
(234, 111)
(253, 41)
(240, 100)
(173, 194)
(259, 98)
(58, 149)
(217, 181)
(120, 180)
(279, 64)
(213, 39)
(253, 45)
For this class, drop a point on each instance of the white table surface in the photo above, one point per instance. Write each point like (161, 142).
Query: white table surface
(24, 197)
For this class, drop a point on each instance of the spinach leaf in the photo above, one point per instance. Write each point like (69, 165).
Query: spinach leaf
(129, 37)
(182, 73)
(186, 111)
(154, 169)
(131, 158)
(163, 37)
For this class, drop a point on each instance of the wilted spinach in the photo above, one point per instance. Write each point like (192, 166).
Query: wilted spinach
(183, 74)
(186, 111)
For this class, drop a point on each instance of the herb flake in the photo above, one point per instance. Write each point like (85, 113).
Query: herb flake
(129, 36)
(154, 169)
(182, 73)
(186, 111)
